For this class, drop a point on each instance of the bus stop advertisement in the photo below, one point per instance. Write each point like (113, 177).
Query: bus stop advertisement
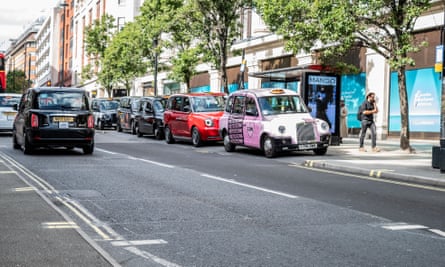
(319, 88)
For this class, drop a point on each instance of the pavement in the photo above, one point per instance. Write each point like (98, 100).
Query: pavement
(34, 232)
(390, 163)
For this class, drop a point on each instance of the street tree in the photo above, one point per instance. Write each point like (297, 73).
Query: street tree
(123, 60)
(154, 21)
(218, 26)
(16, 81)
(98, 37)
(188, 52)
(385, 26)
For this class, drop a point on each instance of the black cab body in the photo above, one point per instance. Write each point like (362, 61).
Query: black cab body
(127, 113)
(54, 117)
(151, 117)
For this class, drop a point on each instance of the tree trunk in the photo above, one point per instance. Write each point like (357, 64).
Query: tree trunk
(404, 111)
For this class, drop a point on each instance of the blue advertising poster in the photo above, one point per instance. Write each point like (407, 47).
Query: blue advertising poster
(322, 97)
(424, 93)
(353, 89)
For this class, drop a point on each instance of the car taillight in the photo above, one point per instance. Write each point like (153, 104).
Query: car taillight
(34, 121)
(90, 121)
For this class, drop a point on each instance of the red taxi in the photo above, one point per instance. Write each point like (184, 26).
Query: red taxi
(193, 117)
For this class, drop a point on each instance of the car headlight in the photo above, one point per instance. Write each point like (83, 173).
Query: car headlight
(281, 129)
(208, 122)
(324, 126)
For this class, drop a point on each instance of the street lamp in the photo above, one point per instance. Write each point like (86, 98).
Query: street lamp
(155, 42)
(64, 5)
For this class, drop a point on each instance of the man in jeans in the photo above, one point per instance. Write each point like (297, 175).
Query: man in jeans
(368, 108)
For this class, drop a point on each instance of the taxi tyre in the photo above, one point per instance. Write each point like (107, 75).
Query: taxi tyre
(320, 151)
(88, 149)
(228, 146)
(139, 133)
(269, 147)
(196, 137)
(100, 125)
(28, 148)
(15, 145)
(168, 136)
(133, 127)
(157, 133)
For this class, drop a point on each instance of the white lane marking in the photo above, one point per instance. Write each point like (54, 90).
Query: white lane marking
(156, 163)
(106, 151)
(138, 242)
(85, 219)
(7, 172)
(149, 256)
(248, 186)
(437, 232)
(405, 227)
(59, 225)
(134, 158)
(24, 189)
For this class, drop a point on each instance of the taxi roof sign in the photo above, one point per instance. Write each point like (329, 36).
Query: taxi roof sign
(277, 91)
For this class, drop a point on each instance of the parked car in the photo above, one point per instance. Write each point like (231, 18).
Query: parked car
(105, 112)
(272, 120)
(127, 113)
(54, 117)
(7, 113)
(151, 117)
(193, 117)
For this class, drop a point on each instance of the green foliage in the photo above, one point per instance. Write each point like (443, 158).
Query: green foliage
(16, 81)
(123, 60)
(98, 36)
(217, 25)
(334, 27)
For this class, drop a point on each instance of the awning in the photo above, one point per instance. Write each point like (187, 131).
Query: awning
(289, 74)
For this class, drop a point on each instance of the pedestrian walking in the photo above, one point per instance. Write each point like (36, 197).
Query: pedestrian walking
(343, 120)
(366, 114)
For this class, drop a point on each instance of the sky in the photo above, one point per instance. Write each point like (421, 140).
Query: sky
(16, 15)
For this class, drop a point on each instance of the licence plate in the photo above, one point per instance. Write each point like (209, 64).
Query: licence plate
(307, 146)
(63, 119)
(64, 124)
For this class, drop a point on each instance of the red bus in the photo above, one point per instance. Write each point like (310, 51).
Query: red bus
(2, 73)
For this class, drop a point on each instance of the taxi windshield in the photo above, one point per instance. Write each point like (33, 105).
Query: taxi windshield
(62, 100)
(109, 105)
(281, 104)
(9, 101)
(207, 103)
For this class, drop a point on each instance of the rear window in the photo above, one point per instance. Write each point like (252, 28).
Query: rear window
(62, 100)
(9, 101)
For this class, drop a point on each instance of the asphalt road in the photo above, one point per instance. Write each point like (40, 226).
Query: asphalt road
(151, 204)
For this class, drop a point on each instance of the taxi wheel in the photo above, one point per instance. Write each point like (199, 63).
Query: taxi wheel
(158, 133)
(168, 136)
(196, 137)
(134, 127)
(268, 147)
(28, 149)
(320, 151)
(228, 146)
(138, 132)
(15, 145)
(88, 149)
(100, 125)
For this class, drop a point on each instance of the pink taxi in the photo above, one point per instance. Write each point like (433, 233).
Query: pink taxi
(272, 120)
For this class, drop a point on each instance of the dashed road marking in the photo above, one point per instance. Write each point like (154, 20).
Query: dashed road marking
(397, 227)
(138, 242)
(59, 225)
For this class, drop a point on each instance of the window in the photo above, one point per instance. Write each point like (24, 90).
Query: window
(251, 109)
(238, 106)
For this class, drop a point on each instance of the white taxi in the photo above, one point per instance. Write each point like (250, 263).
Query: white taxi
(273, 120)
(7, 112)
